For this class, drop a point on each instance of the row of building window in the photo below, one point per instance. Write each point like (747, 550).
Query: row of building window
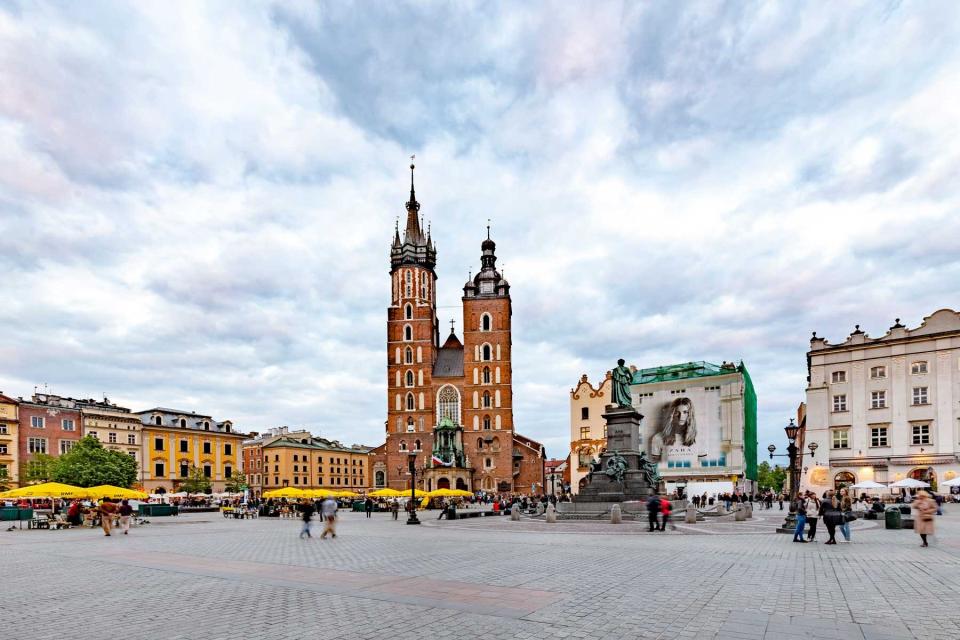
(357, 482)
(878, 399)
(159, 470)
(485, 324)
(159, 444)
(880, 372)
(879, 436)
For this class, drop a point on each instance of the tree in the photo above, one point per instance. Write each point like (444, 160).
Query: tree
(89, 464)
(771, 477)
(39, 468)
(196, 482)
(236, 483)
(4, 478)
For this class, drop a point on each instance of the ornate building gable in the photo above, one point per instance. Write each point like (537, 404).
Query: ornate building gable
(940, 322)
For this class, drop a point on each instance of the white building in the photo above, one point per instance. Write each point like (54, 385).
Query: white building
(885, 408)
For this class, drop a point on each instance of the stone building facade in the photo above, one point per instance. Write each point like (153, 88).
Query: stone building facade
(468, 382)
(115, 427)
(885, 408)
(9, 444)
(588, 435)
(49, 424)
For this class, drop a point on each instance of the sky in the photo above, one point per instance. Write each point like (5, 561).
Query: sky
(197, 199)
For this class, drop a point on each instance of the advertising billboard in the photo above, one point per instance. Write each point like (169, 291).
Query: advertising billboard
(683, 430)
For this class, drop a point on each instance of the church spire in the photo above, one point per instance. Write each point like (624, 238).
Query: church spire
(417, 245)
(414, 231)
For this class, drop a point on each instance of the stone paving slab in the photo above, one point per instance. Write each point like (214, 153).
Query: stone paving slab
(204, 576)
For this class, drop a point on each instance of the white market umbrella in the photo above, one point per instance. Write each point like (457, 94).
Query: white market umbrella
(868, 484)
(909, 483)
(951, 483)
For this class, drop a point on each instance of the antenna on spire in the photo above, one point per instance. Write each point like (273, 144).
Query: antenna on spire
(488, 228)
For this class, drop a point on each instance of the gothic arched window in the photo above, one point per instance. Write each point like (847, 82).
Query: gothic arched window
(410, 404)
(380, 479)
(479, 443)
(403, 445)
(486, 423)
(485, 353)
(409, 378)
(408, 333)
(408, 288)
(485, 322)
(408, 311)
(416, 445)
(486, 375)
(448, 403)
(408, 356)
(486, 399)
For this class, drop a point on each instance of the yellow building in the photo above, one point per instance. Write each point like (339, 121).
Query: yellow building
(115, 427)
(588, 429)
(174, 441)
(9, 445)
(301, 460)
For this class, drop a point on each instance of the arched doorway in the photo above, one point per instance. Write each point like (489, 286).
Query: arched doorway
(461, 485)
(380, 479)
(924, 474)
(160, 490)
(443, 483)
(843, 480)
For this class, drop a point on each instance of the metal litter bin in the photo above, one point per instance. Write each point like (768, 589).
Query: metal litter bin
(893, 519)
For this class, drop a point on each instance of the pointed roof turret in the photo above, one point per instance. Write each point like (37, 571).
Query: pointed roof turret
(416, 247)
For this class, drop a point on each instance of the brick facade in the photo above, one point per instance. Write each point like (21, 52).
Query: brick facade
(54, 420)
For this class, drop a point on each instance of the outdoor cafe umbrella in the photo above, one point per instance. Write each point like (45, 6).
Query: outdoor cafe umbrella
(449, 493)
(346, 494)
(951, 483)
(286, 492)
(868, 484)
(48, 490)
(909, 483)
(385, 493)
(109, 491)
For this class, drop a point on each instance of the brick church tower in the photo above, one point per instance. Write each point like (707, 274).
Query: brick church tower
(458, 394)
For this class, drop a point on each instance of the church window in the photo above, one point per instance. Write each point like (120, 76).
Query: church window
(408, 289)
(409, 356)
(408, 311)
(380, 479)
(486, 352)
(416, 445)
(448, 404)
(408, 333)
(488, 463)
(409, 378)
(486, 375)
(479, 443)
(485, 322)
(409, 425)
(403, 446)
(486, 423)
(423, 287)
(410, 403)
(486, 399)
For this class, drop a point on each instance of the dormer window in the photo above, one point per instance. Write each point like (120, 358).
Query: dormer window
(227, 427)
(206, 426)
(158, 420)
(183, 423)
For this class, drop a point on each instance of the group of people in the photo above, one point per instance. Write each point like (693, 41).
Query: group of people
(838, 510)
(658, 512)
(106, 512)
(328, 511)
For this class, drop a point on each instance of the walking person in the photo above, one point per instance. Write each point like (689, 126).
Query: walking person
(832, 517)
(780, 500)
(107, 510)
(306, 514)
(75, 514)
(653, 511)
(846, 509)
(813, 512)
(329, 512)
(368, 506)
(801, 509)
(925, 507)
(395, 508)
(126, 512)
(665, 509)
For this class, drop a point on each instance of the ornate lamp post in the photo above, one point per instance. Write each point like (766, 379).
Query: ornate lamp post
(794, 455)
(412, 466)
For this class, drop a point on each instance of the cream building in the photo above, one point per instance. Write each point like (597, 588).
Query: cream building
(9, 445)
(115, 427)
(885, 408)
(587, 427)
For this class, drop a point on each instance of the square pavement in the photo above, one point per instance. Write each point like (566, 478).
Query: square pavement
(202, 576)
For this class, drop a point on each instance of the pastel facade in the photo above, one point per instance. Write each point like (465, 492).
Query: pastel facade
(49, 424)
(115, 427)
(9, 444)
(885, 408)
(588, 435)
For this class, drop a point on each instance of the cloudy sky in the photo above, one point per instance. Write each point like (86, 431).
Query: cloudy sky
(197, 199)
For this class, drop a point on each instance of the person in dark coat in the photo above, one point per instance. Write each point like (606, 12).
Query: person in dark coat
(653, 510)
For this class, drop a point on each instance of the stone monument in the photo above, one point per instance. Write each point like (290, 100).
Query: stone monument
(623, 473)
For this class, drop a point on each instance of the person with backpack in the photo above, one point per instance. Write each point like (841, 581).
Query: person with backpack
(801, 510)
(653, 511)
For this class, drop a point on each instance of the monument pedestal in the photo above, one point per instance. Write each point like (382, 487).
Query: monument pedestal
(623, 442)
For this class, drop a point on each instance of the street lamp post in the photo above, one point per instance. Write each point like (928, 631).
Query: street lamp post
(412, 465)
(794, 455)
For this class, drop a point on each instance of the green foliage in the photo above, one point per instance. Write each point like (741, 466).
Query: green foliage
(4, 478)
(236, 483)
(89, 464)
(196, 482)
(771, 477)
(39, 468)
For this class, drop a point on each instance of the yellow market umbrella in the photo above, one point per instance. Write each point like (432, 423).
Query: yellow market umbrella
(48, 490)
(286, 492)
(320, 493)
(109, 491)
(450, 493)
(386, 493)
(346, 494)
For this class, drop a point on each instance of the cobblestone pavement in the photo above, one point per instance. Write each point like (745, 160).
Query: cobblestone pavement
(201, 576)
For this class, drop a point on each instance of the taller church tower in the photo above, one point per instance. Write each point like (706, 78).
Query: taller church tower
(412, 329)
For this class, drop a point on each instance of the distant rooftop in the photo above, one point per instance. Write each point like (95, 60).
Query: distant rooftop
(682, 371)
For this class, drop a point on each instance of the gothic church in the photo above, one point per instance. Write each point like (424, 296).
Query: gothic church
(450, 404)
